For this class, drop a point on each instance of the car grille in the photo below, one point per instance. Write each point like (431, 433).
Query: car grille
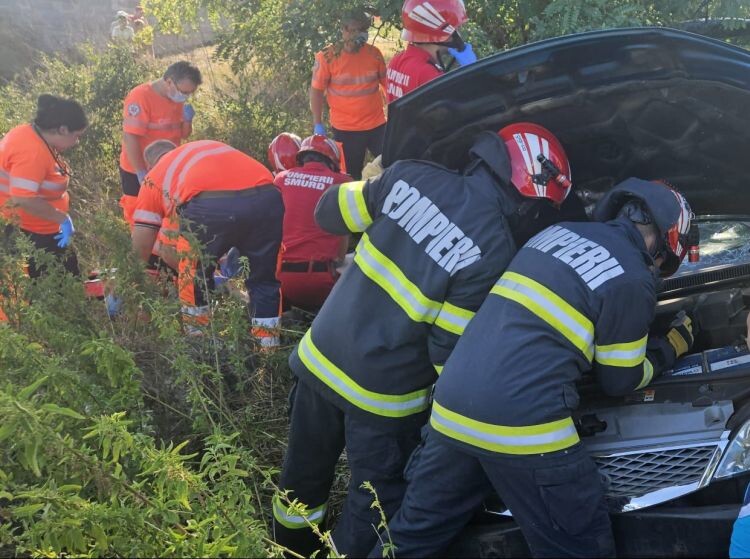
(633, 475)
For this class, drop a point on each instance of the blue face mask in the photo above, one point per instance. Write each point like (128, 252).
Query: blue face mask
(177, 97)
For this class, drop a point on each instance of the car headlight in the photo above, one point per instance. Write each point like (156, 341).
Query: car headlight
(736, 459)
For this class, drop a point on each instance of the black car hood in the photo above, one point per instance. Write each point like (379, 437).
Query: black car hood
(645, 102)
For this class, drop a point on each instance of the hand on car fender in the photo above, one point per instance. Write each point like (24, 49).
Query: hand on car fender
(373, 169)
(680, 334)
(464, 57)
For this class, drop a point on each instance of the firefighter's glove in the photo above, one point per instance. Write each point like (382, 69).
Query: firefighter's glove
(680, 334)
(141, 175)
(65, 235)
(464, 57)
(188, 112)
(319, 129)
(373, 169)
(230, 264)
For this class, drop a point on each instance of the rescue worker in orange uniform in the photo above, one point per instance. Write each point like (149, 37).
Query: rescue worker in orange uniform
(431, 28)
(154, 111)
(222, 198)
(34, 180)
(350, 76)
(308, 267)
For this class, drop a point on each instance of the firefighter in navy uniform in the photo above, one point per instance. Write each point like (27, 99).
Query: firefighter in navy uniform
(577, 296)
(434, 242)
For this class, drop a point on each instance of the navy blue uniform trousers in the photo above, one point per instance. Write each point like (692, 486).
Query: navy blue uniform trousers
(376, 452)
(253, 224)
(557, 499)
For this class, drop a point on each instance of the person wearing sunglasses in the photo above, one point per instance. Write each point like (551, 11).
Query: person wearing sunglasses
(34, 179)
(154, 111)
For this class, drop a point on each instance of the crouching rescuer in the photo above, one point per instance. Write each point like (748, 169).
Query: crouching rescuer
(577, 296)
(223, 199)
(434, 241)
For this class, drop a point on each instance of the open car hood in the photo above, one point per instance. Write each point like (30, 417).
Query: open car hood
(645, 102)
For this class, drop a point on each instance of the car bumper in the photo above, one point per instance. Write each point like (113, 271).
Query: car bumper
(700, 531)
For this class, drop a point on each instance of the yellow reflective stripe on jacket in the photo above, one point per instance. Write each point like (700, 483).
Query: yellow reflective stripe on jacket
(648, 374)
(548, 306)
(528, 439)
(295, 521)
(387, 405)
(453, 319)
(384, 272)
(353, 207)
(629, 354)
(438, 368)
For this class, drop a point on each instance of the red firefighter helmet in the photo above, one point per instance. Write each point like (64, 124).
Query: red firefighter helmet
(324, 146)
(431, 21)
(538, 161)
(282, 151)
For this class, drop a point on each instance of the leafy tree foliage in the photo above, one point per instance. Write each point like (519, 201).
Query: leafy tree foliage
(282, 35)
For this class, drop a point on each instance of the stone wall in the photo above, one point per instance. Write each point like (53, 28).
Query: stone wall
(56, 26)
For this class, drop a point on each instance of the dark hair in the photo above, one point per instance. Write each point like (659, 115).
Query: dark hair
(183, 70)
(358, 17)
(306, 156)
(53, 112)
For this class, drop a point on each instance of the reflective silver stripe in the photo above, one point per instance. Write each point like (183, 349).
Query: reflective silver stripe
(632, 355)
(449, 319)
(353, 93)
(348, 79)
(313, 516)
(585, 335)
(56, 186)
(4, 186)
(166, 126)
(24, 184)
(166, 188)
(195, 311)
(422, 312)
(198, 156)
(273, 322)
(147, 217)
(336, 380)
(525, 440)
(356, 216)
(134, 122)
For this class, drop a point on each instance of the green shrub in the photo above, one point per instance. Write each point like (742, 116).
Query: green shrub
(122, 436)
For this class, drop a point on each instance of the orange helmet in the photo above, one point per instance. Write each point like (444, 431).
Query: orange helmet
(538, 161)
(282, 151)
(431, 21)
(322, 145)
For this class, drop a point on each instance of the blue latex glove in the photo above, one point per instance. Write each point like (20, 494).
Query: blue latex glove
(65, 235)
(114, 305)
(464, 57)
(319, 129)
(141, 175)
(188, 112)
